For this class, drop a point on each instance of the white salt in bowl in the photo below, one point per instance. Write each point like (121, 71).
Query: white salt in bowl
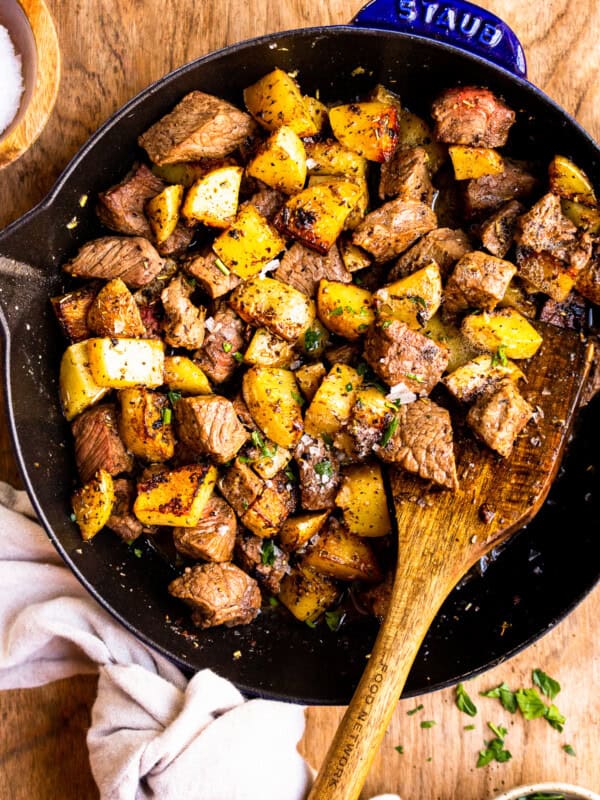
(33, 35)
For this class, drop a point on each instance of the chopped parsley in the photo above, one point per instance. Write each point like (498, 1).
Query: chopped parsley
(238, 356)
(498, 730)
(72, 517)
(244, 460)
(499, 357)
(310, 623)
(554, 718)
(546, 684)
(221, 266)
(399, 749)
(334, 619)
(464, 702)
(414, 710)
(389, 431)
(166, 415)
(336, 312)
(413, 377)
(469, 728)
(324, 469)
(259, 442)
(530, 703)
(569, 750)
(227, 347)
(428, 723)
(137, 552)
(349, 387)
(298, 398)
(505, 695)
(385, 324)
(173, 397)
(327, 439)
(494, 751)
(417, 300)
(268, 553)
(289, 474)
(312, 339)
(273, 601)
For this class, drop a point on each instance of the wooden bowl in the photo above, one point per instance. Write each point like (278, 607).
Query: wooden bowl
(34, 36)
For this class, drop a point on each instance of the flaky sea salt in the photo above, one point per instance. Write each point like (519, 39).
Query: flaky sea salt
(11, 80)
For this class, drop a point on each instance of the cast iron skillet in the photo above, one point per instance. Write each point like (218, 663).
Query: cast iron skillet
(543, 572)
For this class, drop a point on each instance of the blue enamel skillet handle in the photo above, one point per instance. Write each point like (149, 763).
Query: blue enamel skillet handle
(459, 23)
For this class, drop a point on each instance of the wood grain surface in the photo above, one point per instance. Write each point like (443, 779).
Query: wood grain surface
(110, 50)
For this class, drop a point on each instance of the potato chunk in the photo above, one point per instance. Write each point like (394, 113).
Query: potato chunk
(273, 399)
(78, 387)
(298, 531)
(184, 375)
(363, 501)
(213, 198)
(162, 211)
(145, 426)
(413, 299)
(249, 243)
(413, 131)
(332, 158)
(569, 181)
(344, 308)
(121, 363)
(309, 377)
(506, 329)
(175, 497)
(285, 311)
(93, 503)
(339, 554)
(267, 350)
(470, 380)
(115, 313)
(307, 594)
(474, 162)
(370, 128)
(276, 100)
(332, 404)
(281, 162)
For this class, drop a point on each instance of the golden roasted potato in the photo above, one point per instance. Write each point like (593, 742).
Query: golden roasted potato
(474, 162)
(413, 299)
(460, 348)
(121, 363)
(318, 111)
(360, 207)
(316, 215)
(370, 128)
(570, 181)
(505, 330)
(353, 256)
(342, 555)
(93, 503)
(249, 244)
(175, 497)
(382, 94)
(145, 424)
(185, 376)
(414, 131)
(71, 311)
(280, 308)
(267, 514)
(516, 297)
(115, 313)
(309, 377)
(466, 382)
(371, 409)
(268, 458)
(78, 387)
(344, 308)
(163, 212)
(584, 217)
(314, 340)
(274, 402)
(276, 100)
(268, 350)
(332, 158)
(298, 531)
(307, 594)
(331, 406)
(213, 198)
(280, 162)
(541, 272)
(363, 501)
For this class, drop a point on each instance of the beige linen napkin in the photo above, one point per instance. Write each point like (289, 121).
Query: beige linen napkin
(153, 733)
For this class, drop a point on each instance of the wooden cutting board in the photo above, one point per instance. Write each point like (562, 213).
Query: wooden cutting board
(111, 49)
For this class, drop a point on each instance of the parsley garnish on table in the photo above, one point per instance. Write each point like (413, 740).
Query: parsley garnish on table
(464, 702)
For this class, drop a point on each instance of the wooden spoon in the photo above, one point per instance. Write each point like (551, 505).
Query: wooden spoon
(441, 535)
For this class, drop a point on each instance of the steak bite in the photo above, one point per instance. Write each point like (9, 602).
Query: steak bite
(394, 226)
(478, 281)
(303, 268)
(208, 425)
(497, 232)
(400, 355)
(98, 444)
(219, 594)
(544, 228)
(266, 201)
(486, 194)
(472, 116)
(200, 126)
(218, 355)
(131, 258)
(261, 559)
(184, 325)
(570, 313)
(214, 281)
(122, 520)
(499, 416)
(319, 474)
(588, 280)
(213, 537)
(406, 176)
(422, 443)
(240, 486)
(442, 245)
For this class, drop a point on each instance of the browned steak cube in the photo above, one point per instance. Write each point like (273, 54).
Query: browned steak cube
(543, 272)
(442, 245)
(319, 473)
(71, 311)
(473, 116)
(213, 538)
(131, 258)
(266, 201)
(406, 176)
(200, 126)
(219, 594)
(422, 443)
(394, 226)
(498, 418)
(122, 520)
(479, 280)
(208, 425)
(261, 559)
(98, 444)
(544, 228)
(241, 486)
(486, 194)
(184, 324)
(399, 354)
(221, 349)
(214, 279)
(303, 268)
(497, 232)
(570, 313)
(588, 280)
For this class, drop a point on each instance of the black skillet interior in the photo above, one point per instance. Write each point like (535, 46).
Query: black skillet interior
(542, 573)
